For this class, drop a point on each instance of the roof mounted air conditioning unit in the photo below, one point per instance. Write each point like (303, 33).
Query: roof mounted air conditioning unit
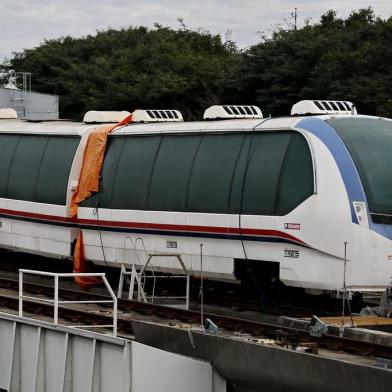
(153, 115)
(220, 112)
(323, 107)
(104, 117)
(8, 113)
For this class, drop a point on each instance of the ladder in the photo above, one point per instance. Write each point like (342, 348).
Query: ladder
(139, 278)
(132, 272)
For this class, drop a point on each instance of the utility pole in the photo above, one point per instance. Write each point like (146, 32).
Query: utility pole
(294, 15)
(295, 18)
(201, 289)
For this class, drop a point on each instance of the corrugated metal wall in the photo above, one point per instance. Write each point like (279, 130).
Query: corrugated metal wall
(36, 356)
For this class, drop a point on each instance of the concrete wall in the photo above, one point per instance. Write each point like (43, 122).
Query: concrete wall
(30, 105)
(253, 367)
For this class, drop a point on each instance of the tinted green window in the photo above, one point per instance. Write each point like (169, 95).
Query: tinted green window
(238, 178)
(25, 167)
(369, 141)
(171, 173)
(132, 180)
(7, 149)
(296, 177)
(262, 178)
(36, 167)
(212, 173)
(54, 171)
(206, 173)
(279, 175)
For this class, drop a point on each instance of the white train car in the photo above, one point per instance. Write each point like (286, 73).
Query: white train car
(291, 198)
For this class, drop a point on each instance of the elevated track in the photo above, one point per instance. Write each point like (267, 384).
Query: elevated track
(129, 310)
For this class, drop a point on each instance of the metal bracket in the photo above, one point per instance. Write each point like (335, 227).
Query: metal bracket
(317, 327)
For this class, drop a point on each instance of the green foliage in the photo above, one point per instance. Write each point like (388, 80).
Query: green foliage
(131, 68)
(189, 70)
(333, 59)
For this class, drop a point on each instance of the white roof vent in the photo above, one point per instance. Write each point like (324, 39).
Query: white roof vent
(154, 115)
(8, 113)
(101, 117)
(323, 107)
(229, 111)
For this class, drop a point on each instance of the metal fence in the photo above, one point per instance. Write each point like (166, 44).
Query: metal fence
(56, 301)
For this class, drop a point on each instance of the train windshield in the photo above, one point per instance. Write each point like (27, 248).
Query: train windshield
(369, 141)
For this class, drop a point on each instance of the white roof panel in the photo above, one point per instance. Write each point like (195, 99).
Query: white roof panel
(194, 126)
(74, 128)
(47, 127)
(104, 117)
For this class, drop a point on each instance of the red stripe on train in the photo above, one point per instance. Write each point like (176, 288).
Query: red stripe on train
(152, 226)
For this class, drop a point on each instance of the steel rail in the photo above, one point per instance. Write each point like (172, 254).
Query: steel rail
(255, 328)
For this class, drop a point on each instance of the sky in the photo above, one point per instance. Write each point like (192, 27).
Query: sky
(27, 23)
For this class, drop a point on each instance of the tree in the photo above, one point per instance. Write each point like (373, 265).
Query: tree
(132, 68)
(332, 59)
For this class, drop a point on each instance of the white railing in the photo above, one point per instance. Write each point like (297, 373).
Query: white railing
(56, 301)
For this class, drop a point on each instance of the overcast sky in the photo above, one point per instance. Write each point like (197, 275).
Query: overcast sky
(26, 23)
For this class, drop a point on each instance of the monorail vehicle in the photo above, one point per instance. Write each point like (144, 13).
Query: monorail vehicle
(305, 198)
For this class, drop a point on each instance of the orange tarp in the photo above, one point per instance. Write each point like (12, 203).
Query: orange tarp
(93, 155)
(89, 177)
(80, 265)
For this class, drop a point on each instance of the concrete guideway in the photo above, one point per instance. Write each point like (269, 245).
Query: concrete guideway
(250, 366)
(38, 356)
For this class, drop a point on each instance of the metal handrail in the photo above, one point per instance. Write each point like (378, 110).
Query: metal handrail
(56, 300)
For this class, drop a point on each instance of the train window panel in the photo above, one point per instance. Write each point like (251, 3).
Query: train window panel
(131, 183)
(25, 167)
(238, 178)
(262, 177)
(171, 173)
(54, 171)
(8, 145)
(369, 142)
(296, 181)
(212, 173)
